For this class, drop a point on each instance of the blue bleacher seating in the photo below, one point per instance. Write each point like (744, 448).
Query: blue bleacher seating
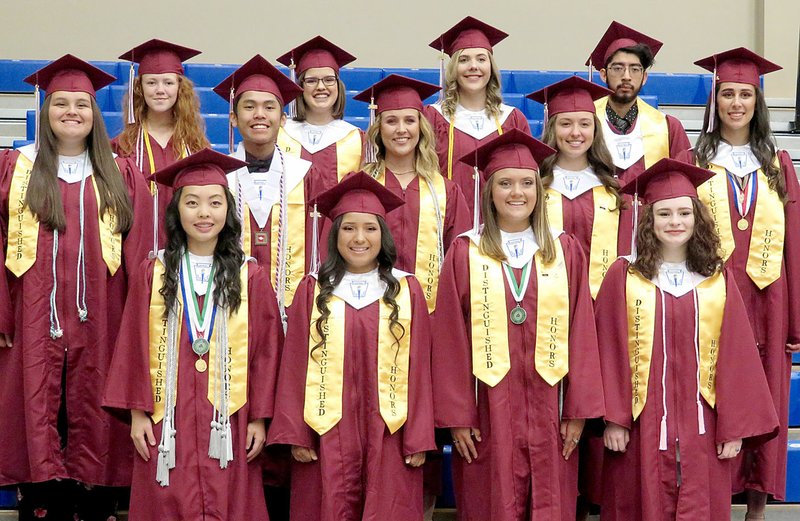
(526, 82)
(448, 497)
(360, 78)
(793, 472)
(8, 497)
(428, 75)
(796, 358)
(794, 400)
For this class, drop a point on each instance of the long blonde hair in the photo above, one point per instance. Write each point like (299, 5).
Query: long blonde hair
(491, 245)
(494, 97)
(426, 162)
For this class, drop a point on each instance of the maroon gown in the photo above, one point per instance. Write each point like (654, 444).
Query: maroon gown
(361, 473)
(162, 157)
(774, 314)
(463, 143)
(199, 489)
(519, 473)
(642, 482)
(404, 223)
(97, 450)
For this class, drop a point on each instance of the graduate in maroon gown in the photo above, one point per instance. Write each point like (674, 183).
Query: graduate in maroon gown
(583, 199)
(75, 223)
(162, 118)
(516, 370)
(273, 191)
(681, 374)
(198, 364)
(751, 198)
(316, 129)
(435, 212)
(471, 110)
(636, 134)
(354, 393)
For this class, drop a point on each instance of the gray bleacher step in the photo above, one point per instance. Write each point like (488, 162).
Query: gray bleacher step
(12, 128)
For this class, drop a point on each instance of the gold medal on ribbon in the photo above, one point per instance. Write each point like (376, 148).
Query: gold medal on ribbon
(742, 224)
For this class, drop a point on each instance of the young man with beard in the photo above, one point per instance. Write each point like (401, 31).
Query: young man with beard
(637, 135)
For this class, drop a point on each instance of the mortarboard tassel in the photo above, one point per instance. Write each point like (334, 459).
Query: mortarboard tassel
(546, 115)
(230, 123)
(37, 94)
(371, 153)
(293, 76)
(591, 71)
(131, 116)
(441, 75)
(712, 104)
(476, 219)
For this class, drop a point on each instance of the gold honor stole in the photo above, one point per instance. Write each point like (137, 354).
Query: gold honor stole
(640, 296)
(427, 263)
(322, 408)
(491, 359)
(23, 227)
(605, 231)
(655, 130)
(295, 239)
(348, 151)
(236, 358)
(765, 256)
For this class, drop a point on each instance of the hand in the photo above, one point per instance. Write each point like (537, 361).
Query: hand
(256, 437)
(462, 441)
(571, 431)
(6, 340)
(415, 460)
(142, 433)
(729, 449)
(790, 348)
(303, 454)
(616, 437)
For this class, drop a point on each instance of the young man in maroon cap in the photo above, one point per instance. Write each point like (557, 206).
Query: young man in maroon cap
(637, 135)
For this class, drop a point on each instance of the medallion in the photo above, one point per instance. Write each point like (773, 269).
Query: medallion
(518, 315)
(261, 238)
(200, 346)
(200, 365)
(742, 224)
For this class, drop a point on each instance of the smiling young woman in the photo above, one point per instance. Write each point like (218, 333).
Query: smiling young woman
(354, 396)
(515, 370)
(471, 111)
(435, 212)
(205, 407)
(162, 117)
(316, 130)
(681, 378)
(77, 223)
(753, 186)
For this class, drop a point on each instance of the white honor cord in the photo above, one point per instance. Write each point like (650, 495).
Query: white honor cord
(662, 443)
(280, 283)
(55, 324)
(80, 293)
(701, 424)
(166, 447)
(314, 267)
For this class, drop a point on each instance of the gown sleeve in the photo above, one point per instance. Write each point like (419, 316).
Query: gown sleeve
(454, 402)
(418, 429)
(128, 385)
(288, 426)
(791, 246)
(266, 343)
(138, 240)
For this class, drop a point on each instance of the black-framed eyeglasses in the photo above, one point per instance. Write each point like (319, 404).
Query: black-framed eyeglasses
(328, 81)
(618, 69)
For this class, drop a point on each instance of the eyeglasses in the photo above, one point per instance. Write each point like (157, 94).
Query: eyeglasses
(328, 81)
(619, 69)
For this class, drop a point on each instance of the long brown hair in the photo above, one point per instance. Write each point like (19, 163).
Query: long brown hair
(333, 269)
(762, 142)
(494, 97)
(190, 128)
(490, 237)
(703, 255)
(426, 162)
(598, 156)
(337, 111)
(43, 197)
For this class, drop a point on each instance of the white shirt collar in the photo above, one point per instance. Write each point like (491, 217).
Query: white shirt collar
(476, 123)
(738, 160)
(519, 247)
(317, 137)
(676, 279)
(573, 184)
(71, 169)
(359, 290)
